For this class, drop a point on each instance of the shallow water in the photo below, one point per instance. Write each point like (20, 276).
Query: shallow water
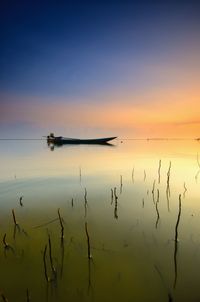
(136, 255)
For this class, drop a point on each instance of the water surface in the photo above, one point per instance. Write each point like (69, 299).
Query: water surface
(144, 239)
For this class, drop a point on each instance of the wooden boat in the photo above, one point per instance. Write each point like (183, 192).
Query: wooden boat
(60, 140)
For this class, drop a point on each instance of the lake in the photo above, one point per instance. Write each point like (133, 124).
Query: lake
(100, 223)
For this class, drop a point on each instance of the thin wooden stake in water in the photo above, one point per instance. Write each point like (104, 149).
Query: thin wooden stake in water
(62, 227)
(88, 241)
(45, 265)
(176, 242)
(50, 257)
(20, 201)
(14, 217)
(121, 184)
(116, 204)
(153, 190)
(6, 245)
(85, 202)
(168, 186)
(158, 215)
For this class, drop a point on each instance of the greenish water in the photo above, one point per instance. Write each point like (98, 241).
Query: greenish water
(136, 255)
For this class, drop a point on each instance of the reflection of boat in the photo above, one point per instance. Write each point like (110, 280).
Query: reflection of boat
(60, 140)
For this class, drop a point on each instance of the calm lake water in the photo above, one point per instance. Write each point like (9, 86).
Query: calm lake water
(141, 202)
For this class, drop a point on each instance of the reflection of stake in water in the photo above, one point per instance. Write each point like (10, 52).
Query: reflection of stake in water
(62, 258)
(28, 299)
(158, 215)
(176, 242)
(185, 190)
(145, 175)
(159, 167)
(121, 184)
(85, 202)
(88, 241)
(45, 264)
(170, 299)
(153, 191)
(62, 227)
(116, 204)
(89, 257)
(168, 187)
(50, 257)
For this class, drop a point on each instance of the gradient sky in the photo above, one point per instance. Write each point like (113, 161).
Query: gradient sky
(127, 68)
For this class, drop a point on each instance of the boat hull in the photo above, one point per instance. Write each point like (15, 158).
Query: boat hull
(62, 140)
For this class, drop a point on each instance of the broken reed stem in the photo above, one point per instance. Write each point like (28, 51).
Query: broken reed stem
(159, 167)
(14, 217)
(88, 241)
(20, 201)
(50, 257)
(45, 265)
(61, 224)
(6, 245)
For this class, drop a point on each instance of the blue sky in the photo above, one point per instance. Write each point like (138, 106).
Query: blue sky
(77, 48)
(81, 52)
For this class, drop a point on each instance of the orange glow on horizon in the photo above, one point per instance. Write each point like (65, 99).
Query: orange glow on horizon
(175, 114)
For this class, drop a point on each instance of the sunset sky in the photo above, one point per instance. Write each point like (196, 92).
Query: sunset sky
(126, 68)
